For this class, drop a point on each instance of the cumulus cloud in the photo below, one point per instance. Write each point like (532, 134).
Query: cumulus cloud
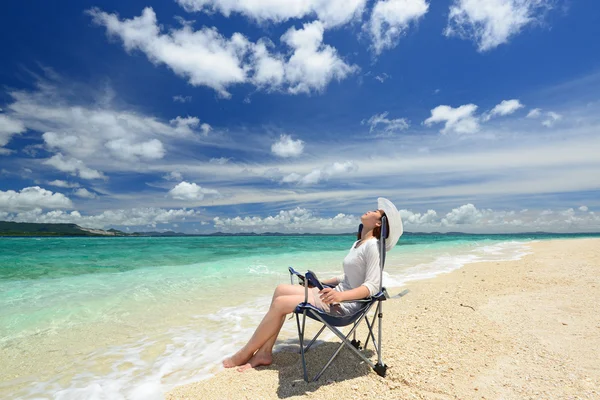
(390, 19)
(8, 128)
(320, 174)
(142, 217)
(74, 167)
(287, 147)
(206, 58)
(31, 198)
(190, 191)
(298, 220)
(330, 12)
(417, 219)
(389, 127)
(506, 107)
(490, 23)
(583, 208)
(465, 218)
(312, 65)
(551, 119)
(85, 194)
(465, 214)
(461, 120)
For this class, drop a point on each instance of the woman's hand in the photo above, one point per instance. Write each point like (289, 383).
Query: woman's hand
(330, 296)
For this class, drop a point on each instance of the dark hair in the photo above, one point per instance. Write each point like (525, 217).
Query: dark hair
(376, 230)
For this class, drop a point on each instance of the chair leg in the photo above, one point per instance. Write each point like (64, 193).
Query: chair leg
(301, 337)
(345, 342)
(380, 367)
(315, 338)
(370, 334)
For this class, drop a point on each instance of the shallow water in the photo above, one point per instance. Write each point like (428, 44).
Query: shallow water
(129, 318)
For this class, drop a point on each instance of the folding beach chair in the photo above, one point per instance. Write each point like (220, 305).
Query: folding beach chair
(306, 309)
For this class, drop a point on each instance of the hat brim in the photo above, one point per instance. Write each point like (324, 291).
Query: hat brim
(394, 222)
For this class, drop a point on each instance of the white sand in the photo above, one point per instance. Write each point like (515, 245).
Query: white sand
(527, 329)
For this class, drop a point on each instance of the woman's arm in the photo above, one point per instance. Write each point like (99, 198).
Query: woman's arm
(329, 295)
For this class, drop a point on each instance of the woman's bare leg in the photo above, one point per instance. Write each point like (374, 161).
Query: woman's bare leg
(267, 330)
(287, 290)
(264, 355)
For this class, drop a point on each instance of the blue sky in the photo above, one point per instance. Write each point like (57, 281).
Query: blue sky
(239, 116)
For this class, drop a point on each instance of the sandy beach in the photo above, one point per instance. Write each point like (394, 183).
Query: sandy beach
(526, 329)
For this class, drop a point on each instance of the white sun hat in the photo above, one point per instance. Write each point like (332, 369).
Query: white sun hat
(394, 222)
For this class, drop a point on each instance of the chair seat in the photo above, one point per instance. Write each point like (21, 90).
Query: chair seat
(338, 320)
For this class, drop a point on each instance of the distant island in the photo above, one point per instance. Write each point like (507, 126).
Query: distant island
(33, 229)
(23, 229)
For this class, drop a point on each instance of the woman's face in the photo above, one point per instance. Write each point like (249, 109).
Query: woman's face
(371, 219)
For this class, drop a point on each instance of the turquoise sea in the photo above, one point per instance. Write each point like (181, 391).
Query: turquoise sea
(132, 317)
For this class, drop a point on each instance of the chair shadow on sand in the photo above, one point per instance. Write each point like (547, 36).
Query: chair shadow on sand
(288, 363)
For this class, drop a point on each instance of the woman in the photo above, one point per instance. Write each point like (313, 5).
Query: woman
(361, 279)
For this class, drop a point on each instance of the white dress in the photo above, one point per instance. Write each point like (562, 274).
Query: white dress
(361, 268)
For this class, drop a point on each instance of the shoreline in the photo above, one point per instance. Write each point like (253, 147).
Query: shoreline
(528, 328)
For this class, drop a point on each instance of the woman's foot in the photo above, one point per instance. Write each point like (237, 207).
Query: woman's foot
(235, 360)
(256, 361)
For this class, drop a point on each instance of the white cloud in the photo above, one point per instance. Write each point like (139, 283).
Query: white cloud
(465, 214)
(31, 198)
(298, 220)
(150, 150)
(312, 65)
(8, 128)
(190, 191)
(465, 218)
(182, 99)
(461, 120)
(74, 167)
(382, 77)
(390, 19)
(206, 58)
(490, 23)
(173, 176)
(551, 119)
(534, 113)
(63, 184)
(411, 218)
(389, 126)
(219, 161)
(142, 217)
(186, 125)
(319, 174)
(287, 147)
(506, 107)
(84, 193)
(95, 133)
(583, 208)
(205, 128)
(331, 12)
